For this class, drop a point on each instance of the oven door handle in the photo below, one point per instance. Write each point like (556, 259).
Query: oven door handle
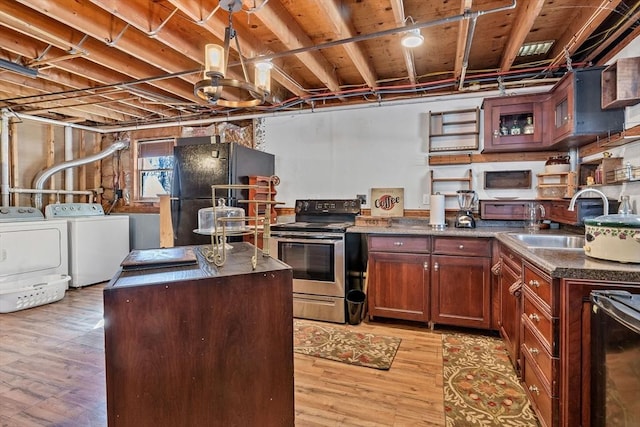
(307, 239)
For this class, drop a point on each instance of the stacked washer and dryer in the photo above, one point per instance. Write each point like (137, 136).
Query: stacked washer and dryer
(98, 243)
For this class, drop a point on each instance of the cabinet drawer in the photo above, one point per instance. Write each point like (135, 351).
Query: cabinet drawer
(464, 246)
(539, 284)
(399, 243)
(512, 259)
(539, 320)
(544, 404)
(502, 210)
(539, 355)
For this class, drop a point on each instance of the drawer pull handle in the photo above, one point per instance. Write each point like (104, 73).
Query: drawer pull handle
(398, 243)
(426, 266)
(534, 317)
(436, 266)
(534, 351)
(461, 247)
(534, 283)
(534, 389)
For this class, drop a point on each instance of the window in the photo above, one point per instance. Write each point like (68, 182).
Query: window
(155, 168)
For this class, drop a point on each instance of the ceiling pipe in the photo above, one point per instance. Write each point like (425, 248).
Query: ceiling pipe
(4, 158)
(44, 175)
(467, 50)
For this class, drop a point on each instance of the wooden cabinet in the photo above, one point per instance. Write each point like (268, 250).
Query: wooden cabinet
(620, 83)
(461, 282)
(510, 294)
(577, 114)
(558, 210)
(601, 170)
(506, 117)
(540, 343)
(398, 277)
(188, 345)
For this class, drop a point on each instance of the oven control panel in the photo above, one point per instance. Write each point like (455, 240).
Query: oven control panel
(328, 206)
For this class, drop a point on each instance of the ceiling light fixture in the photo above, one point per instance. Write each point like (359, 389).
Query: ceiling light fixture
(216, 61)
(535, 48)
(17, 68)
(413, 38)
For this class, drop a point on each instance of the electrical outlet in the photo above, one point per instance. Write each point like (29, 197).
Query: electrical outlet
(425, 199)
(362, 198)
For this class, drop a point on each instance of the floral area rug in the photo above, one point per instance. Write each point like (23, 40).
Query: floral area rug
(480, 385)
(343, 345)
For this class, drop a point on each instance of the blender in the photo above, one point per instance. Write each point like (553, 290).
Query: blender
(466, 200)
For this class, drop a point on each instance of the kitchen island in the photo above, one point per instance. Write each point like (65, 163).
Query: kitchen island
(195, 344)
(537, 298)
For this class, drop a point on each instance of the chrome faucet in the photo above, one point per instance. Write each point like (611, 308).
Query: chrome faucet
(605, 201)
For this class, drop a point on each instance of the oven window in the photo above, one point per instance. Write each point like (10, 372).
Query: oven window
(309, 261)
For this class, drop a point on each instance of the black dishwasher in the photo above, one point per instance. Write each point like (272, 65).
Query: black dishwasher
(615, 358)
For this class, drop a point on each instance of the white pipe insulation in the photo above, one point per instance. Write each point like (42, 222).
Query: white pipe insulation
(4, 158)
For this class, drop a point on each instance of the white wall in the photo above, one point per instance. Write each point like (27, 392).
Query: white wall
(339, 154)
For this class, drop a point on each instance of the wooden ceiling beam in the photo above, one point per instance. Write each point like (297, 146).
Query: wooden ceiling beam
(589, 17)
(461, 43)
(526, 15)
(278, 20)
(407, 54)
(85, 72)
(101, 25)
(216, 27)
(122, 66)
(89, 112)
(345, 29)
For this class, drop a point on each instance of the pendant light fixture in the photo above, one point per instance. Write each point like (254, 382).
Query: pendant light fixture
(214, 81)
(413, 38)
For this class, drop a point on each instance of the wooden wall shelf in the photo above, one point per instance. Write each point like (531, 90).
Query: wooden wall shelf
(454, 130)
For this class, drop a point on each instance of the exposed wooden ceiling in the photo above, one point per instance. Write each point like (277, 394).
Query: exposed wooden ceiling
(124, 62)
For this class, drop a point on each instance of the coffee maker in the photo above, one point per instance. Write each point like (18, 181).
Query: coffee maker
(466, 199)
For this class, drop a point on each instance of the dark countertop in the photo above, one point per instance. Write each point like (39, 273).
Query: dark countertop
(557, 263)
(238, 261)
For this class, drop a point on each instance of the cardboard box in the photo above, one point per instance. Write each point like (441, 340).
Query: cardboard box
(388, 202)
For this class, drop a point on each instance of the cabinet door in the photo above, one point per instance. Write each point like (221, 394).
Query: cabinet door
(515, 124)
(398, 286)
(510, 310)
(563, 108)
(461, 290)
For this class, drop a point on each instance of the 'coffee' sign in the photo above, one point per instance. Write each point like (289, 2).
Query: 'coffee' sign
(387, 201)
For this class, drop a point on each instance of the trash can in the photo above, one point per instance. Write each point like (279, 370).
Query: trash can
(355, 305)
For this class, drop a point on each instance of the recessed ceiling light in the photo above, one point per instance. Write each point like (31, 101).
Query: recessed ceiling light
(535, 48)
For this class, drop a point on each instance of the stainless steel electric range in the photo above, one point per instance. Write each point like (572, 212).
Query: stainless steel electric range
(314, 247)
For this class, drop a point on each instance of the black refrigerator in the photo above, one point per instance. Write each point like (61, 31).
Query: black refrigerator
(201, 162)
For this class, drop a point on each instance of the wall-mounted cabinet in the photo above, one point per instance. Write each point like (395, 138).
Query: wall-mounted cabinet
(620, 83)
(515, 123)
(576, 106)
(454, 130)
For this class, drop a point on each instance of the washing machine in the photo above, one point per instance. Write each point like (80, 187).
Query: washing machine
(33, 259)
(97, 242)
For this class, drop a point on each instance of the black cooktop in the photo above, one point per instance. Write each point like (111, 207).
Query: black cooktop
(319, 227)
(322, 216)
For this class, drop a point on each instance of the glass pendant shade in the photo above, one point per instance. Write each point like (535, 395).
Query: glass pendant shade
(263, 76)
(214, 60)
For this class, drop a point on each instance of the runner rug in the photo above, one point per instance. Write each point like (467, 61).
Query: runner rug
(344, 345)
(480, 385)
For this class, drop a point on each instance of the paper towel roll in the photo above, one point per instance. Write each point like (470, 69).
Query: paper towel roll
(436, 210)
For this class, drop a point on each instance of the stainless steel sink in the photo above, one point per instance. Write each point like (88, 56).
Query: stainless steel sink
(551, 241)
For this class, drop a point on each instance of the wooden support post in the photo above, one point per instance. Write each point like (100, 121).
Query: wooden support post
(166, 227)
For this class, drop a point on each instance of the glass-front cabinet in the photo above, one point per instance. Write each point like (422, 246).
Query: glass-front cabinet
(515, 123)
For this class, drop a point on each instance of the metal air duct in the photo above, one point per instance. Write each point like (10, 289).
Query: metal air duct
(42, 177)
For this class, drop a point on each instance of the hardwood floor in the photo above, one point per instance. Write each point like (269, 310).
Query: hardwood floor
(52, 373)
